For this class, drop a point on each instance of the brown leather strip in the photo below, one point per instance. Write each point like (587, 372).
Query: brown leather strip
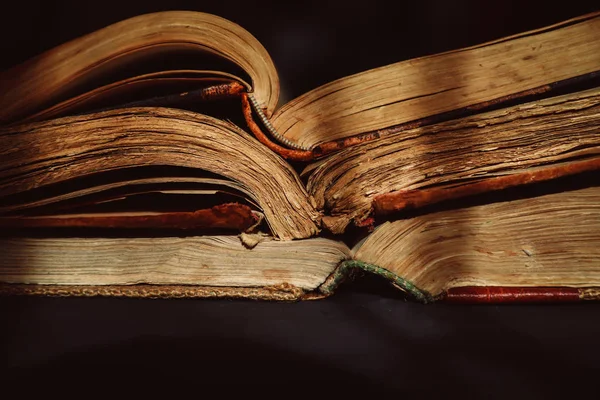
(496, 294)
(224, 216)
(411, 199)
(283, 292)
(288, 154)
(336, 145)
(215, 92)
(224, 90)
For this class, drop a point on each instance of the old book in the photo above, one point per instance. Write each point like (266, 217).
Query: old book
(152, 158)
(175, 51)
(493, 252)
(163, 167)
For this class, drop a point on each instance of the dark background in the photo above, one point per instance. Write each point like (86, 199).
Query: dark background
(364, 340)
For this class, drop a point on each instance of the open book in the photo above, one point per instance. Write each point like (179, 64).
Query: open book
(152, 158)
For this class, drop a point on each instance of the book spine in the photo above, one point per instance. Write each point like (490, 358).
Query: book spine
(392, 202)
(288, 154)
(234, 216)
(209, 93)
(462, 295)
(497, 294)
(283, 292)
(345, 269)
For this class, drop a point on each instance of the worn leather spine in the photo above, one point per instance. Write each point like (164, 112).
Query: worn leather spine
(283, 292)
(238, 217)
(286, 292)
(497, 294)
(288, 154)
(388, 203)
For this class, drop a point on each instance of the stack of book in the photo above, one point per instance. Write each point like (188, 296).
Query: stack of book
(152, 158)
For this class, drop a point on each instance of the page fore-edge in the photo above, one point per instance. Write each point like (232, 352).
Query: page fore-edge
(287, 292)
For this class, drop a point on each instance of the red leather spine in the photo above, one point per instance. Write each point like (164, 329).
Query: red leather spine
(224, 216)
(288, 154)
(497, 294)
(412, 199)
